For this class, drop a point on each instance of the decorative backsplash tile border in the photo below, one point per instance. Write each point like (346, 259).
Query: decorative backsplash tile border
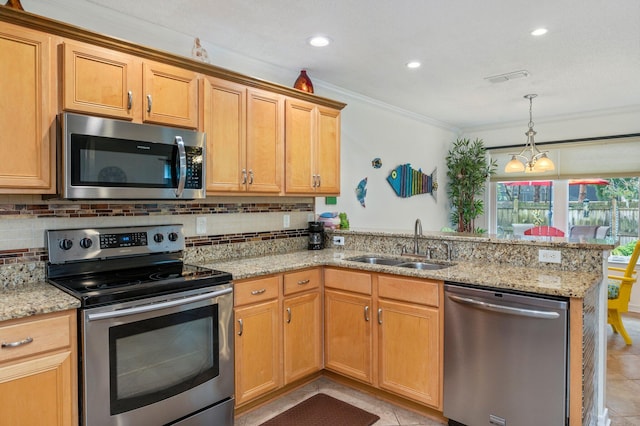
(26, 255)
(51, 210)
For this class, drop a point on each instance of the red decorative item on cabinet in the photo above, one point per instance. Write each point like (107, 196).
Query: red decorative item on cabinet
(303, 82)
(14, 4)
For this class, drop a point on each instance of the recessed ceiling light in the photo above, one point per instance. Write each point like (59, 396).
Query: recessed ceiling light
(413, 64)
(539, 32)
(319, 41)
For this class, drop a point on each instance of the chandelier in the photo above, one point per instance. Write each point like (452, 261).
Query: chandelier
(530, 159)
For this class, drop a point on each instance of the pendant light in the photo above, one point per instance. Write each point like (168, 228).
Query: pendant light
(530, 159)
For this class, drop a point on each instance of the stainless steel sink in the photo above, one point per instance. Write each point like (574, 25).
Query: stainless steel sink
(376, 260)
(422, 265)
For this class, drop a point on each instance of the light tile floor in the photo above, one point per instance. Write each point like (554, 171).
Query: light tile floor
(622, 393)
(390, 415)
(623, 374)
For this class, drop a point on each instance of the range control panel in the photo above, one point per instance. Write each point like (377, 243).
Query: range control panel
(71, 245)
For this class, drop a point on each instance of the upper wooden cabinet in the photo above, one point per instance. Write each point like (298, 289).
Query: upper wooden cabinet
(245, 138)
(27, 122)
(312, 146)
(105, 82)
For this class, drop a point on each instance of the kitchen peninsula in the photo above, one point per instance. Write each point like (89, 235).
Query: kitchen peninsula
(486, 261)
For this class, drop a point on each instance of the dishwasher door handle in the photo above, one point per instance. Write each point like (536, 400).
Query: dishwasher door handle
(504, 309)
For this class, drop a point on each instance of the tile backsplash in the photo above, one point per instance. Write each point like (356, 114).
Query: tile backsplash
(24, 219)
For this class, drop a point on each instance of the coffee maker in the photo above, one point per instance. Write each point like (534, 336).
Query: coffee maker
(316, 236)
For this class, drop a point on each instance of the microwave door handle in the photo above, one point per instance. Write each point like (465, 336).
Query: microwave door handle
(182, 166)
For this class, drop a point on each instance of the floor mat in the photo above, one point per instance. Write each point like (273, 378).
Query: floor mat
(323, 410)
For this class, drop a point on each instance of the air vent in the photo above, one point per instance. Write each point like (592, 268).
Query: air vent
(501, 78)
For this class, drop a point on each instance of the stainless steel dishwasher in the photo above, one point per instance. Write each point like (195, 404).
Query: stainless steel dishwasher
(505, 358)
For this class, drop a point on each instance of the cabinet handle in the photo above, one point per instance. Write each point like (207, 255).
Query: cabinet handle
(288, 315)
(315, 181)
(244, 176)
(257, 292)
(379, 315)
(319, 181)
(366, 313)
(250, 177)
(241, 327)
(149, 103)
(18, 343)
(303, 282)
(129, 100)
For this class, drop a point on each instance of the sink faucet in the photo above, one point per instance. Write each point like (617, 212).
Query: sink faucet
(417, 230)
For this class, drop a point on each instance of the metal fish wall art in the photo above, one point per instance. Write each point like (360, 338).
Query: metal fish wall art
(407, 182)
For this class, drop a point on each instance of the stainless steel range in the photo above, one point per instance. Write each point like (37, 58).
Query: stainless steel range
(156, 335)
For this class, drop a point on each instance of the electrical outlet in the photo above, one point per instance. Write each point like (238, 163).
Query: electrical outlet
(338, 241)
(286, 221)
(201, 225)
(549, 256)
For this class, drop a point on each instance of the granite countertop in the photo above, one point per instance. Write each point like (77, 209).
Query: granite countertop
(40, 297)
(532, 280)
(32, 299)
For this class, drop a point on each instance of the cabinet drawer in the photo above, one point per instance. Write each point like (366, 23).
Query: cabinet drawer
(295, 282)
(253, 291)
(424, 292)
(46, 334)
(359, 282)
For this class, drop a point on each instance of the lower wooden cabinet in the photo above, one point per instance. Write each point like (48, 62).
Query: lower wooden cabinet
(278, 327)
(382, 330)
(348, 336)
(38, 378)
(386, 331)
(257, 350)
(302, 336)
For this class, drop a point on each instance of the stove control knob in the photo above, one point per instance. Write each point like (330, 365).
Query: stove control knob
(66, 244)
(173, 236)
(158, 238)
(86, 243)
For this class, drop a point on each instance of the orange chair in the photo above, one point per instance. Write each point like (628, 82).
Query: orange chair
(547, 231)
(620, 293)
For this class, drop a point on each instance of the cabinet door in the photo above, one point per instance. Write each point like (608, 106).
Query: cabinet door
(257, 357)
(299, 147)
(409, 351)
(265, 141)
(302, 336)
(224, 121)
(328, 151)
(170, 95)
(27, 122)
(100, 81)
(38, 391)
(348, 338)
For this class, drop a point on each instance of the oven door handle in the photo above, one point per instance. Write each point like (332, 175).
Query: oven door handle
(157, 306)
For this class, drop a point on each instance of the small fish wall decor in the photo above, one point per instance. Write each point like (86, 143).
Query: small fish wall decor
(376, 163)
(361, 191)
(407, 182)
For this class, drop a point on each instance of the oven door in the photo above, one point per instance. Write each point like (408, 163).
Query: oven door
(158, 360)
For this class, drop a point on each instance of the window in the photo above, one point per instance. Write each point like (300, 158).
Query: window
(586, 207)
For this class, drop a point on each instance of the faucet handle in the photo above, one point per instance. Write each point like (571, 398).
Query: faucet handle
(403, 248)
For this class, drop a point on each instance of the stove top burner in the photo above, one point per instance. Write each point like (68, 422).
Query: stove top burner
(110, 265)
(136, 283)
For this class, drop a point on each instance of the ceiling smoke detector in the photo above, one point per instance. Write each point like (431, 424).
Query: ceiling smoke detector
(501, 78)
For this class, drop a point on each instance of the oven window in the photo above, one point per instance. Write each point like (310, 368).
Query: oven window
(157, 358)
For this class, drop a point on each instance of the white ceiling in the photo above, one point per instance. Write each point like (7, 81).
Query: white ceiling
(588, 62)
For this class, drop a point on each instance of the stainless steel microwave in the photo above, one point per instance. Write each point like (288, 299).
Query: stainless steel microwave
(103, 158)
